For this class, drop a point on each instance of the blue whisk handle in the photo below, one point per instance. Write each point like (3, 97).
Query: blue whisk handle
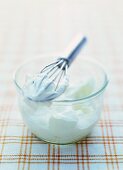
(73, 54)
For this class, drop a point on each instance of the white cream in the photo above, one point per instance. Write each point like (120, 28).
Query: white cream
(41, 88)
(60, 123)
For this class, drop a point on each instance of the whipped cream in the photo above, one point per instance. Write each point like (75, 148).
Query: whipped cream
(41, 88)
(61, 122)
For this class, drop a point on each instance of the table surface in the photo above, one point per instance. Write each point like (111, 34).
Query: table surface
(30, 28)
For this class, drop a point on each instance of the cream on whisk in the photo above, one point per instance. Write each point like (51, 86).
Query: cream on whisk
(41, 88)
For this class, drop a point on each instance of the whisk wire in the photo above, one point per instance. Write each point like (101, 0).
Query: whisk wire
(49, 66)
(59, 70)
(60, 76)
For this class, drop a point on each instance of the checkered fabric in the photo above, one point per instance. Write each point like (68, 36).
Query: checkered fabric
(21, 150)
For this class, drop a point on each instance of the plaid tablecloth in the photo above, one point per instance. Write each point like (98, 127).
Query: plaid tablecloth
(20, 149)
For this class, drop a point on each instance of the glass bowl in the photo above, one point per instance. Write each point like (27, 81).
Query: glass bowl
(67, 119)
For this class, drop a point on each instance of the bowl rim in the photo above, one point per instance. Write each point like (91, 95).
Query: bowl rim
(87, 59)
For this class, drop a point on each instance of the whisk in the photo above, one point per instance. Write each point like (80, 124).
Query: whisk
(55, 74)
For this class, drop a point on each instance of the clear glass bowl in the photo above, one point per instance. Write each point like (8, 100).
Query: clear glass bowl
(64, 120)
